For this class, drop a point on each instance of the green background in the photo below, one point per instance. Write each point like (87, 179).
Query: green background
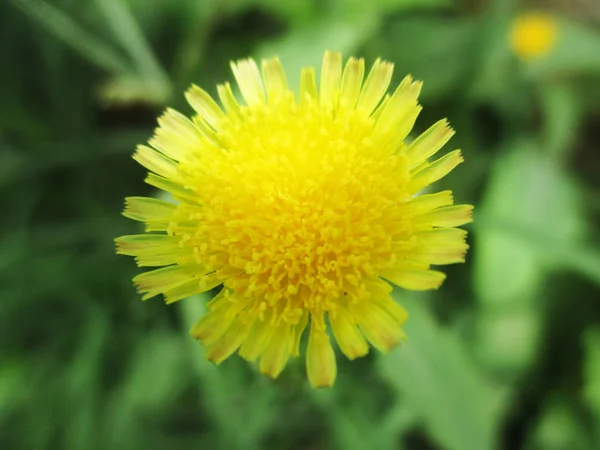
(506, 355)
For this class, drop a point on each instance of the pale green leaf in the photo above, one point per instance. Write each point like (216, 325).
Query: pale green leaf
(437, 379)
(529, 190)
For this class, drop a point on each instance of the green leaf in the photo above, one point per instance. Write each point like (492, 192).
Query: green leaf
(437, 379)
(530, 216)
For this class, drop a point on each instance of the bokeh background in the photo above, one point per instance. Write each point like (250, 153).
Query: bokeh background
(506, 355)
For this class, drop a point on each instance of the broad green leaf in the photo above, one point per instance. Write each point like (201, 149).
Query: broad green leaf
(529, 190)
(436, 378)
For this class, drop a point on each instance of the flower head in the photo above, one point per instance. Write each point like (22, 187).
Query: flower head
(303, 209)
(533, 35)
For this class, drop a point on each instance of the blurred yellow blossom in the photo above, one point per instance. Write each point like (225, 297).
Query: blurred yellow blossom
(533, 35)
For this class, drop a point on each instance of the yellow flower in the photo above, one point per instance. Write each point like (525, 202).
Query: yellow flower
(533, 35)
(303, 209)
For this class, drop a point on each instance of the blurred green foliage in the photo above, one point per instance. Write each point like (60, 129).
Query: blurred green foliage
(505, 355)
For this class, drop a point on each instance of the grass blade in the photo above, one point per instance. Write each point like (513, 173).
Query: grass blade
(132, 40)
(64, 28)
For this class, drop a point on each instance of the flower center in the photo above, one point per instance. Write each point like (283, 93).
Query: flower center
(299, 207)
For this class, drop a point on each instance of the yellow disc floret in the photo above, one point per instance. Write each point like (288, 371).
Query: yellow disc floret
(301, 208)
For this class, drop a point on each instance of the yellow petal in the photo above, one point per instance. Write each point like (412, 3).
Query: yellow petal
(415, 279)
(298, 330)
(351, 82)
(232, 107)
(225, 346)
(447, 216)
(320, 358)
(213, 325)
(438, 169)
(248, 78)
(160, 281)
(177, 190)
(308, 85)
(177, 137)
(351, 341)
(429, 143)
(150, 210)
(277, 352)
(257, 340)
(156, 162)
(377, 113)
(380, 297)
(151, 249)
(401, 110)
(331, 74)
(274, 78)
(192, 287)
(428, 202)
(379, 327)
(204, 105)
(441, 236)
(375, 86)
(440, 246)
